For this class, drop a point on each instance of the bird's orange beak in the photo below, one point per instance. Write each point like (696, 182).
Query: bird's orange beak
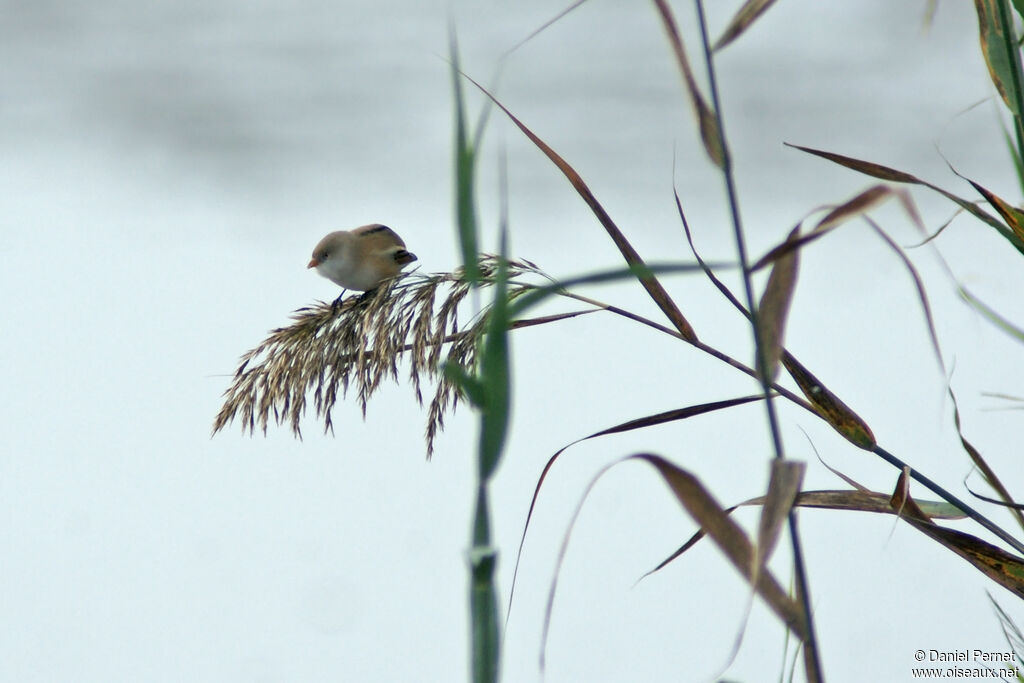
(313, 263)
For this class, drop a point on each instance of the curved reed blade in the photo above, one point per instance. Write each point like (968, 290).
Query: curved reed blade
(730, 538)
(709, 133)
(705, 510)
(649, 282)
(922, 294)
(1011, 215)
(990, 476)
(839, 415)
(741, 21)
(859, 205)
(885, 173)
(1012, 633)
(857, 501)
(638, 423)
(773, 309)
(465, 161)
(1002, 567)
(991, 314)
(783, 488)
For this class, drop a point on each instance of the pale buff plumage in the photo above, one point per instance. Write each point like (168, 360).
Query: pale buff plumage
(361, 259)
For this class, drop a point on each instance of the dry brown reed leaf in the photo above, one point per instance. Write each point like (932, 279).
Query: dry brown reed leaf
(839, 415)
(707, 122)
(891, 174)
(1012, 216)
(987, 473)
(773, 309)
(730, 538)
(783, 488)
(1003, 567)
(856, 500)
(741, 21)
(631, 256)
(357, 344)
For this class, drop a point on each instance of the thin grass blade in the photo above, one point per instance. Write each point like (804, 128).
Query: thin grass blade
(886, 173)
(1000, 566)
(866, 167)
(706, 120)
(839, 215)
(726, 292)
(786, 247)
(773, 309)
(1018, 163)
(1012, 633)
(465, 160)
(641, 270)
(922, 295)
(994, 317)
(840, 416)
(650, 283)
(543, 27)
(1013, 216)
(862, 203)
(709, 515)
(990, 476)
(729, 537)
(638, 423)
(855, 501)
(742, 20)
(783, 487)
(672, 416)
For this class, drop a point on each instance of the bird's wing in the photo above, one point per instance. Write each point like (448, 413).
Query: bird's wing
(382, 235)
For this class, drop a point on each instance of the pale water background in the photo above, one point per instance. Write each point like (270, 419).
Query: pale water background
(167, 167)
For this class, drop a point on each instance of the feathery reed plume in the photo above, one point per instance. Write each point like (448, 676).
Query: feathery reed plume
(359, 342)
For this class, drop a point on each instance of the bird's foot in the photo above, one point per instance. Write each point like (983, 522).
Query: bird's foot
(339, 302)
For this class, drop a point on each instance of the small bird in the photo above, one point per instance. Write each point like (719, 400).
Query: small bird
(361, 259)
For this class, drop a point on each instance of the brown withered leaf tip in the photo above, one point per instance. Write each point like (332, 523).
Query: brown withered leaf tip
(327, 350)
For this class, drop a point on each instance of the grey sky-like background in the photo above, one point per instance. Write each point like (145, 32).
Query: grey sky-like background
(168, 167)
